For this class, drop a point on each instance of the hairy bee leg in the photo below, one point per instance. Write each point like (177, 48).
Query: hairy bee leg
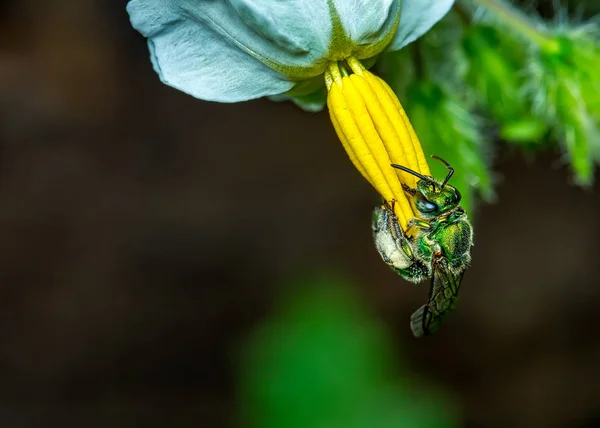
(395, 247)
(395, 226)
(402, 241)
(421, 224)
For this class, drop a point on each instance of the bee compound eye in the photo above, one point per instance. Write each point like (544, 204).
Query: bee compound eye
(425, 206)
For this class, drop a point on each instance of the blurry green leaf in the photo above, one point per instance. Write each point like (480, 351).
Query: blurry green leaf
(495, 72)
(565, 87)
(561, 79)
(527, 130)
(322, 362)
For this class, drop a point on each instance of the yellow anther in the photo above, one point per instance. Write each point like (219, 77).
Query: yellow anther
(375, 132)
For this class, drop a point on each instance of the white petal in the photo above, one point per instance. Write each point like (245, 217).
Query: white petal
(213, 70)
(301, 27)
(366, 21)
(417, 17)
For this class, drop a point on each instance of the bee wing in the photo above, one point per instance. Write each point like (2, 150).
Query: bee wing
(443, 293)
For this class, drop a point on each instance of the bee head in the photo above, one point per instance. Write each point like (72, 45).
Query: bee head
(433, 198)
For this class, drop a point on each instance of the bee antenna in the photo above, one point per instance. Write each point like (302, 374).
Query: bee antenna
(450, 169)
(410, 171)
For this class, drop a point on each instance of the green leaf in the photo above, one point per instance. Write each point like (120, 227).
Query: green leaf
(495, 63)
(323, 362)
(527, 131)
(565, 87)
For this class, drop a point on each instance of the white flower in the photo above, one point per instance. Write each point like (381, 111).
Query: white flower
(236, 50)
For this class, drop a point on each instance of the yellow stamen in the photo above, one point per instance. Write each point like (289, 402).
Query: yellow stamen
(375, 132)
(349, 149)
(423, 166)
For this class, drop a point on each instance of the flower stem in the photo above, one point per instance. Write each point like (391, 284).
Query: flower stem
(520, 22)
(343, 70)
(333, 75)
(355, 65)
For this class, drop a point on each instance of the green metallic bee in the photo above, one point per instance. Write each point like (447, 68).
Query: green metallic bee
(437, 245)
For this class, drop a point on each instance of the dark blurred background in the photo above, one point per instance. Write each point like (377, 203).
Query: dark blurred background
(144, 233)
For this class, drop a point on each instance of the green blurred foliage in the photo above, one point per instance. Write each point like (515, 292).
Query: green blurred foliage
(494, 72)
(323, 362)
(543, 74)
(565, 87)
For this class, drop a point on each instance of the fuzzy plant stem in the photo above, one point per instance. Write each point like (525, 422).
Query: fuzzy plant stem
(519, 22)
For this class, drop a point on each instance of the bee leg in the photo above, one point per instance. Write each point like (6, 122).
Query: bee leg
(395, 247)
(421, 224)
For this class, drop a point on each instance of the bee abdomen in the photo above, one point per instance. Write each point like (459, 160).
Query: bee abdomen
(416, 272)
